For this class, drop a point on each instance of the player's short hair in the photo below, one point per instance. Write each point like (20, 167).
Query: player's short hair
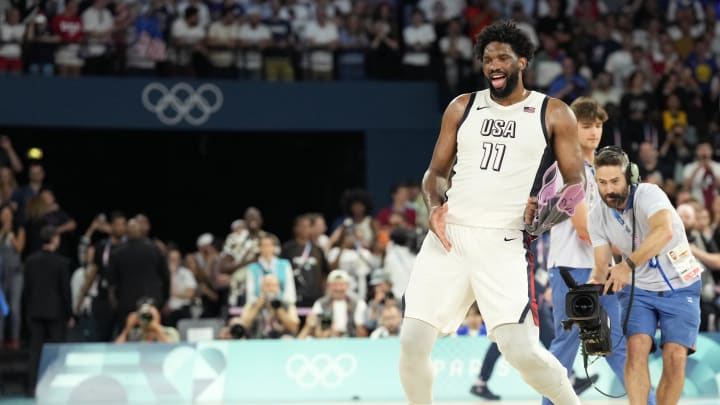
(507, 32)
(588, 109)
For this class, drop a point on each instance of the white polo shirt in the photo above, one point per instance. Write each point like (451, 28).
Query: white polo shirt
(609, 226)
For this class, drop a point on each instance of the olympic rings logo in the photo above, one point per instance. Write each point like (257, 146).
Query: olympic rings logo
(182, 102)
(321, 369)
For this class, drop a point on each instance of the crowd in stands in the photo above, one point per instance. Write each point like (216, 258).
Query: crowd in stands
(653, 64)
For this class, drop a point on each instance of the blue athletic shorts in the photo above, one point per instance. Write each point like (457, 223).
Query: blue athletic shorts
(677, 314)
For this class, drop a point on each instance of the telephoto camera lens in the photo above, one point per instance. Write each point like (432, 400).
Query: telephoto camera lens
(583, 306)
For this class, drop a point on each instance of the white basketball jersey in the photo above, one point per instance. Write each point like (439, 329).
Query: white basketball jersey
(566, 248)
(499, 149)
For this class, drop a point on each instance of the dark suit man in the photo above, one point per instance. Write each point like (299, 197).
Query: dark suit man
(46, 297)
(137, 269)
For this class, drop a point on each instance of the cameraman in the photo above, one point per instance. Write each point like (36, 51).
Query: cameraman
(641, 222)
(570, 249)
(382, 295)
(268, 317)
(338, 312)
(144, 325)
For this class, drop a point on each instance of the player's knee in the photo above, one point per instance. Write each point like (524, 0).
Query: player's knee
(521, 357)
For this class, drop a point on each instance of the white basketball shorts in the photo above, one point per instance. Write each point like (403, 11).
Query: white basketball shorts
(491, 266)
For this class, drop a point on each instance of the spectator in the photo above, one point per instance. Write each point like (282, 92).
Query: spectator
(12, 243)
(203, 12)
(188, 50)
(221, 40)
(253, 37)
(318, 229)
(40, 43)
(8, 186)
(400, 256)
(148, 49)
(269, 316)
(603, 91)
(46, 298)
(212, 284)
(96, 283)
(36, 180)
(182, 289)
(649, 165)
(418, 38)
(337, 313)
(347, 254)
(98, 23)
(390, 323)
(357, 208)
(69, 28)
(456, 50)
(569, 85)
(384, 54)
(673, 113)
(279, 53)
(308, 261)
(353, 43)
(269, 263)
(61, 220)
(321, 39)
(241, 248)
(8, 156)
(380, 296)
(12, 32)
(400, 195)
(143, 325)
(137, 269)
(702, 177)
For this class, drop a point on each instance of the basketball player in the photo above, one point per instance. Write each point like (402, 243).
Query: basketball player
(641, 222)
(493, 140)
(570, 248)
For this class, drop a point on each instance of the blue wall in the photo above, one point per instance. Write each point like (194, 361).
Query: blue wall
(400, 120)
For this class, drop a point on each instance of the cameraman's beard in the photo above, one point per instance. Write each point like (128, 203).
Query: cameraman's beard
(615, 200)
(511, 82)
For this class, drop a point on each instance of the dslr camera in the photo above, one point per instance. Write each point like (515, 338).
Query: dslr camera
(582, 306)
(325, 320)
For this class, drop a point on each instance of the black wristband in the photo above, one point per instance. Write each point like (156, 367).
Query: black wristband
(630, 263)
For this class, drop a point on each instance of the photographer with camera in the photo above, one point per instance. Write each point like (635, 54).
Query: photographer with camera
(338, 312)
(382, 296)
(144, 325)
(571, 250)
(664, 276)
(269, 317)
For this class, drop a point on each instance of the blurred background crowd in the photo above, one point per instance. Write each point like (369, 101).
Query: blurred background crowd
(653, 64)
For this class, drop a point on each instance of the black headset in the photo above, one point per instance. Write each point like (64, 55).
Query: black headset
(632, 173)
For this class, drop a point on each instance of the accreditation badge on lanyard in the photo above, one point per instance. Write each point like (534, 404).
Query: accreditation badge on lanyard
(684, 262)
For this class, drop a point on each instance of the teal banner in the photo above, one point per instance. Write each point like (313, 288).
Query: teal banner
(310, 371)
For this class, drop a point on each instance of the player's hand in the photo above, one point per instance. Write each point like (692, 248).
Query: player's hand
(619, 276)
(437, 225)
(530, 210)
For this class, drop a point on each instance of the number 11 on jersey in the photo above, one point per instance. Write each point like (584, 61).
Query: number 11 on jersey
(494, 152)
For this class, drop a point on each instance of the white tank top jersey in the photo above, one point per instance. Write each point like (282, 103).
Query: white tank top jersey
(499, 150)
(566, 248)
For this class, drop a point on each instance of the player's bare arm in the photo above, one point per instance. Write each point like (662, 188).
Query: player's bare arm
(562, 130)
(436, 179)
(561, 127)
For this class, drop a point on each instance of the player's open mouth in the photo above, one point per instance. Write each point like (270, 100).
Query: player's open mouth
(498, 80)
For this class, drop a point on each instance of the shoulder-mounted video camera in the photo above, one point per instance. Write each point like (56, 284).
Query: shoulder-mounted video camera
(582, 307)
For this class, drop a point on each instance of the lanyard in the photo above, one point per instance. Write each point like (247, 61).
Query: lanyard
(655, 264)
(622, 222)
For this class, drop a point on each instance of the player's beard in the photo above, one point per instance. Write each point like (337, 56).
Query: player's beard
(615, 200)
(511, 81)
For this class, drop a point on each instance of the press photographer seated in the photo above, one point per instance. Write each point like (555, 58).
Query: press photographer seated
(267, 317)
(338, 313)
(144, 325)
